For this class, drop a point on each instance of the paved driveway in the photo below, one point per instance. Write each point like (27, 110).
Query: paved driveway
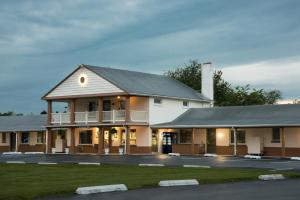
(275, 190)
(277, 164)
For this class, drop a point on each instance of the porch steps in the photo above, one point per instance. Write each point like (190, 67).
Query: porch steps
(101, 188)
(88, 163)
(12, 153)
(270, 177)
(197, 166)
(168, 183)
(252, 157)
(151, 165)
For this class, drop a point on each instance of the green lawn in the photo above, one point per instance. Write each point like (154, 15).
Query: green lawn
(32, 181)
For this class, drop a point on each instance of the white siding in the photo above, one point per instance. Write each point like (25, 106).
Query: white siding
(169, 109)
(94, 85)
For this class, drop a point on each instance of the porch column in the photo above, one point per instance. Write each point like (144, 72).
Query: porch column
(100, 109)
(49, 111)
(282, 142)
(127, 109)
(72, 142)
(127, 144)
(72, 111)
(235, 141)
(100, 141)
(48, 141)
(17, 140)
(193, 141)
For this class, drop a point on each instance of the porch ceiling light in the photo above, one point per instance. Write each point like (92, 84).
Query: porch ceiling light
(118, 97)
(82, 80)
(220, 135)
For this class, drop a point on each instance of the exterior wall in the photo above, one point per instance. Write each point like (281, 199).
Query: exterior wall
(139, 103)
(169, 109)
(94, 85)
(32, 145)
(5, 146)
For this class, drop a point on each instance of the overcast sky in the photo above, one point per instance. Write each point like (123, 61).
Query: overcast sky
(255, 42)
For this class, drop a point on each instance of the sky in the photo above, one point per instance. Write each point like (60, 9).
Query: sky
(253, 42)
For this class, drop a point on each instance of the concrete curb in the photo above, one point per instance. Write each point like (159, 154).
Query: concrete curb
(101, 188)
(252, 157)
(295, 158)
(47, 163)
(34, 153)
(174, 154)
(15, 162)
(88, 163)
(270, 177)
(169, 183)
(151, 165)
(210, 155)
(12, 153)
(197, 166)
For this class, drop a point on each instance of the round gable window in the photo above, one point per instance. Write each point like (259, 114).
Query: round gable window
(82, 80)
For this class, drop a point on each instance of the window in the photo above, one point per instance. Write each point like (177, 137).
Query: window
(157, 101)
(240, 136)
(185, 136)
(40, 137)
(185, 104)
(25, 138)
(92, 106)
(3, 137)
(132, 136)
(276, 135)
(86, 137)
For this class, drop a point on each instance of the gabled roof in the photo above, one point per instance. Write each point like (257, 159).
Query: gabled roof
(143, 84)
(237, 116)
(23, 123)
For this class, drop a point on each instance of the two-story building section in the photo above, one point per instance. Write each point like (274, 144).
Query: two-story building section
(111, 110)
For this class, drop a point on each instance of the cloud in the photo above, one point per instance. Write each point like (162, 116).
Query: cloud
(282, 74)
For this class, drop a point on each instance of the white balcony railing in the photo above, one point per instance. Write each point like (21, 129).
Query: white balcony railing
(138, 116)
(60, 118)
(86, 117)
(114, 116)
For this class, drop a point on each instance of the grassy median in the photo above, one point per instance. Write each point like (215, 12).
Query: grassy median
(29, 181)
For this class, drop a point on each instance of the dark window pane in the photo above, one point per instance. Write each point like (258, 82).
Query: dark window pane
(240, 136)
(185, 136)
(25, 138)
(86, 137)
(3, 137)
(276, 135)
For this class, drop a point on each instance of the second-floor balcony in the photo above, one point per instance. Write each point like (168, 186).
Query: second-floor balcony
(113, 116)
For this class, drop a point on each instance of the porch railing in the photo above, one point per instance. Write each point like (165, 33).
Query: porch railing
(114, 116)
(60, 118)
(86, 117)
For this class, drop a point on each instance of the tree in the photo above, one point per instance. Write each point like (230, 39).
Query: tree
(10, 113)
(225, 94)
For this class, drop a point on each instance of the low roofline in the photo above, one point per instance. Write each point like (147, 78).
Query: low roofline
(224, 126)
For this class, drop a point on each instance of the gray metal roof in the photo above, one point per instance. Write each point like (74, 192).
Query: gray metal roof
(145, 84)
(23, 123)
(237, 116)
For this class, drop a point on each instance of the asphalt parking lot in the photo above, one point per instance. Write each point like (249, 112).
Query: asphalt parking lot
(220, 161)
(275, 190)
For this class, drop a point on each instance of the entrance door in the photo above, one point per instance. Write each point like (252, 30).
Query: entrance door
(167, 143)
(211, 140)
(12, 141)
